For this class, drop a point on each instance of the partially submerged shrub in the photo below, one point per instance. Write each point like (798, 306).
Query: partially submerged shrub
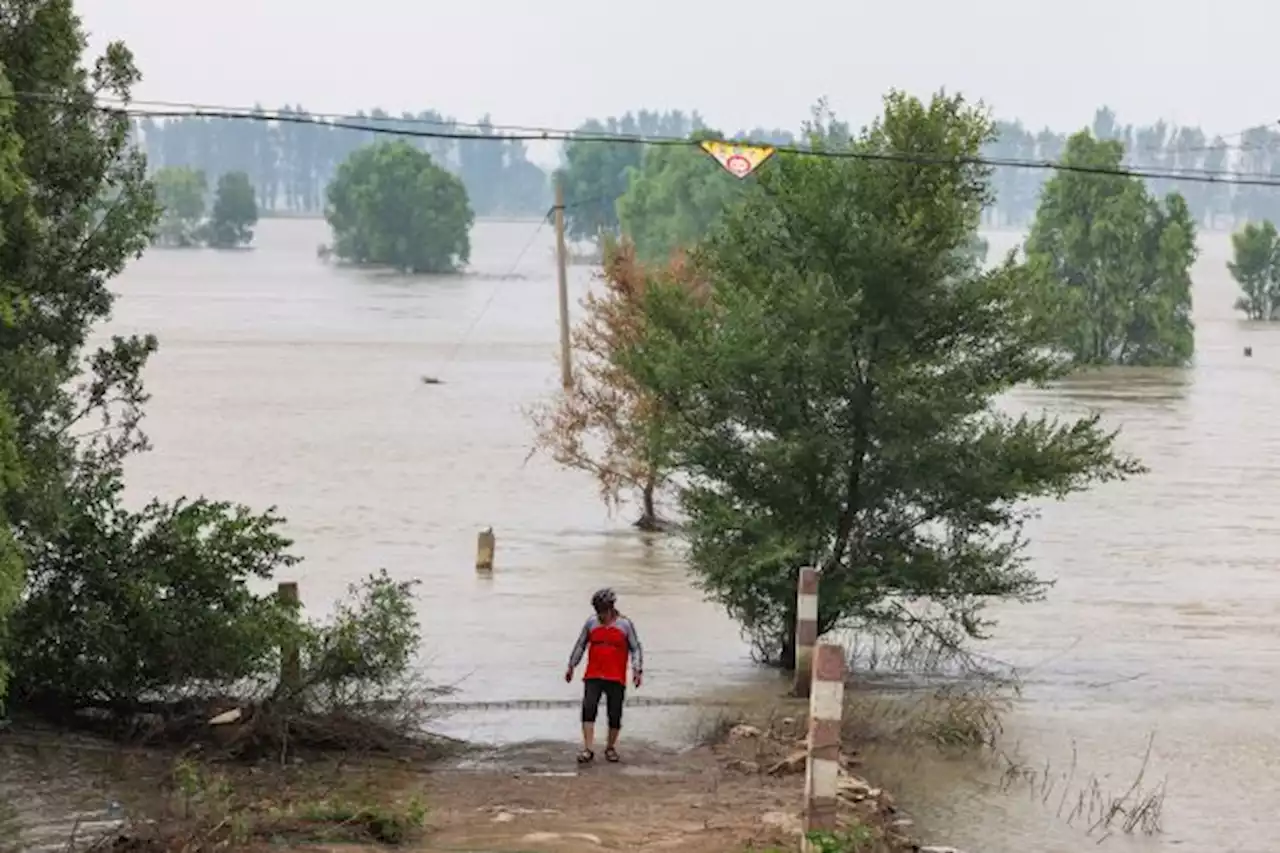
(146, 622)
(126, 609)
(357, 687)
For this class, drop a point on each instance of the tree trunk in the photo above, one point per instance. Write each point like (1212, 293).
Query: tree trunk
(787, 659)
(648, 519)
(787, 642)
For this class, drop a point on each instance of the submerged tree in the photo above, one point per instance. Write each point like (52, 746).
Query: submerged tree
(833, 402)
(391, 205)
(606, 424)
(1120, 262)
(181, 193)
(1256, 268)
(235, 212)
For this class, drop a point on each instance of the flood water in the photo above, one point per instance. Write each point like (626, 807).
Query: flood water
(282, 381)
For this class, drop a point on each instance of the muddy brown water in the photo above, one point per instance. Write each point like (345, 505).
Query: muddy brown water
(284, 381)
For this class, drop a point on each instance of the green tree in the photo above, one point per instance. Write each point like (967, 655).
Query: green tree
(181, 193)
(235, 212)
(595, 175)
(76, 207)
(1256, 268)
(674, 197)
(11, 564)
(1120, 262)
(833, 399)
(106, 601)
(390, 205)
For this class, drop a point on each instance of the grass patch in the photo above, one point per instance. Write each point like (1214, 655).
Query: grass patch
(854, 839)
(208, 808)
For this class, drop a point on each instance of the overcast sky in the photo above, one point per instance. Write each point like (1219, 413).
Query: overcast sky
(749, 63)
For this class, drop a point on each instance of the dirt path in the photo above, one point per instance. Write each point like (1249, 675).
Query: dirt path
(534, 797)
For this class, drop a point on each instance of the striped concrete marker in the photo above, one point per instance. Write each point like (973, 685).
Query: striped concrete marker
(806, 629)
(822, 769)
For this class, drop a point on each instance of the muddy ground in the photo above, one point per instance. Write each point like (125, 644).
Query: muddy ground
(653, 800)
(740, 789)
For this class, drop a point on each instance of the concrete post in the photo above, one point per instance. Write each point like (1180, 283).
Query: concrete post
(806, 629)
(485, 547)
(290, 660)
(822, 768)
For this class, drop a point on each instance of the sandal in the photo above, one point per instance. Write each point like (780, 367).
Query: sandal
(611, 755)
(586, 756)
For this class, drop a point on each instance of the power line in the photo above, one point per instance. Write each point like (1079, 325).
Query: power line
(515, 265)
(1206, 176)
(557, 135)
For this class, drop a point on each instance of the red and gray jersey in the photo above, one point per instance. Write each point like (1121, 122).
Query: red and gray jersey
(607, 647)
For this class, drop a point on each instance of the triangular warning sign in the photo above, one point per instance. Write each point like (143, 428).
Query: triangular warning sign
(737, 160)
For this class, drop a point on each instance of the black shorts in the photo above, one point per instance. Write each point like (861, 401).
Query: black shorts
(613, 691)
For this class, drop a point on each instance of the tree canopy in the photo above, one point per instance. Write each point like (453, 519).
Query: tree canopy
(235, 212)
(391, 205)
(1119, 260)
(12, 187)
(596, 173)
(832, 402)
(1256, 268)
(674, 197)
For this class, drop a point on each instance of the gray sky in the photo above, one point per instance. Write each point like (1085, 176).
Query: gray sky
(750, 63)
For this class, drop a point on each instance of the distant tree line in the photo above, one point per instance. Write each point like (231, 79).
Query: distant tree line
(291, 164)
(1161, 146)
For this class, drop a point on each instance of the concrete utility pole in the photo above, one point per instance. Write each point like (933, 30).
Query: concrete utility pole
(562, 277)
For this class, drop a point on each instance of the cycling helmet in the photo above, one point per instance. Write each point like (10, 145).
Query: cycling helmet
(603, 599)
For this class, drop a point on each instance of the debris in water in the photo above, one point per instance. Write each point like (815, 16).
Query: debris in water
(227, 717)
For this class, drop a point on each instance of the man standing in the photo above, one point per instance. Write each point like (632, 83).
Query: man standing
(609, 639)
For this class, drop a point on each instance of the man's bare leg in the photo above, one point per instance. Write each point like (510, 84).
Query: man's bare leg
(589, 736)
(613, 738)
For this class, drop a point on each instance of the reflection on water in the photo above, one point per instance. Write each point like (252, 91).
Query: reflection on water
(282, 381)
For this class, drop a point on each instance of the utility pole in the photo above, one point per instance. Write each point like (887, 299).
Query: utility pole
(562, 280)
